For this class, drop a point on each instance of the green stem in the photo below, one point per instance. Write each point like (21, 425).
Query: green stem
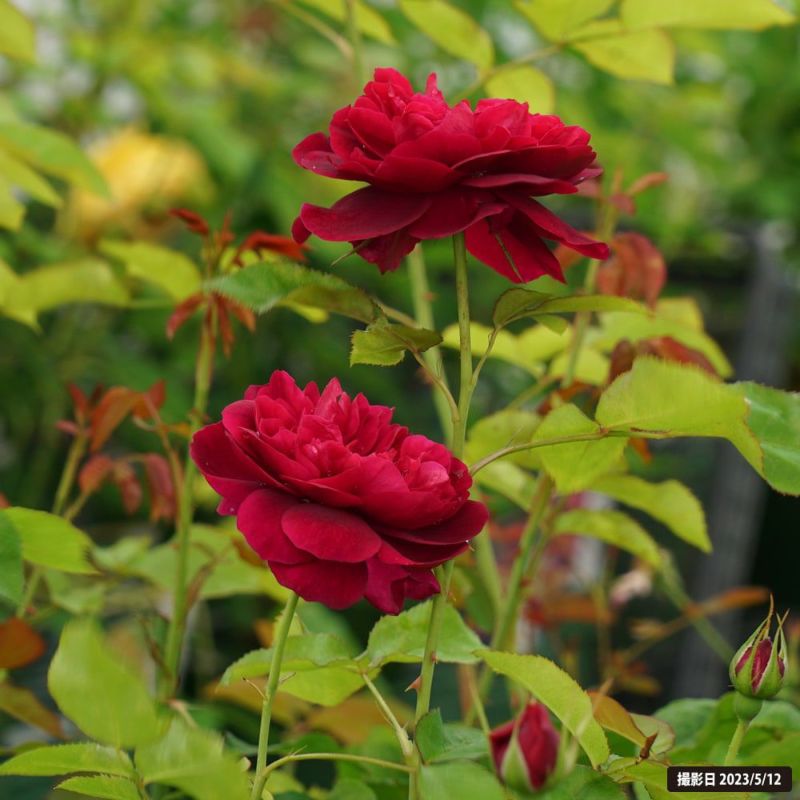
(736, 742)
(400, 732)
(350, 757)
(175, 634)
(459, 433)
(355, 40)
(278, 647)
(423, 312)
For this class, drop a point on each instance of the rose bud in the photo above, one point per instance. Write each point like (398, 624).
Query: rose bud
(759, 666)
(525, 750)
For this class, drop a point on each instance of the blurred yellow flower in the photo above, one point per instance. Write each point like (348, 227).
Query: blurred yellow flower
(146, 176)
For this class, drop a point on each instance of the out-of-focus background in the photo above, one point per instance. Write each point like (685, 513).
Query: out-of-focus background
(198, 103)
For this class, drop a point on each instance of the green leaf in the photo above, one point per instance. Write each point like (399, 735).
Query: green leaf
(518, 303)
(615, 327)
(11, 210)
(307, 652)
(62, 759)
(19, 174)
(612, 527)
(774, 419)
(88, 280)
(97, 692)
(452, 29)
(670, 502)
(402, 638)
(525, 84)
(554, 688)
(326, 686)
(52, 152)
(783, 752)
(385, 344)
(170, 270)
(583, 783)
(10, 304)
(17, 38)
(678, 400)
(654, 777)
(574, 466)
(645, 55)
(687, 717)
(194, 761)
(262, 286)
(463, 780)
(351, 789)
(438, 742)
(12, 576)
(715, 14)
(509, 481)
(504, 429)
(50, 541)
(104, 786)
(556, 19)
(368, 20)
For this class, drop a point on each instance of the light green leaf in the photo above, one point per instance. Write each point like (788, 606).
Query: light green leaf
(774, 419)
(402, 638)
(12, 303)
(103, 786)
(583, 783)
(97, 692)
(170, 270)
(11, 210)
(556, 19)
(504, 429)
(17, 173)
(326, 686)
(525, 84)
(62, 759)
(88, 280)
(554, 688)
(12, 576)
(677, 399)
(612, 527)
(520, 303)
(385, 344)
(52, 152)
(591, 366)
(452, 29)
(670, 502)
(264, 285)
(351, 789)
(645, 55)
(715, 14)
(368, 20)
(307, 652)
(654, 777)
(574, 466)
(194, 761)
(462, 779)
(50, 541)
(17, 38)
(439, 742)
(509, 481)
(634, 327)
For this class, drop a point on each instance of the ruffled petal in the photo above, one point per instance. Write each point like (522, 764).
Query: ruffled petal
(364, 214)
(259, 520)
(454, 211)
(332, 583)
(388, 587)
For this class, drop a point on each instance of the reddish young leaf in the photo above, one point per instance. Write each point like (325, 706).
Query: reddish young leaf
(226, 333)
(125, 479)
(646, 182)
(636, 269)
(68, 427)
(672, 350)
(116, 404)
(151, 398)
(182, 313)
(193, 221)
(159, 486)
(4, 501)
(94, 472)
(26, 707)
(242, 313)
(258, 241)
(19, 644)
(80, 402)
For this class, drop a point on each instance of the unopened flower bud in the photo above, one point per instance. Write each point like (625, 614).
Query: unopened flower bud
(759, 666)
(525, 750)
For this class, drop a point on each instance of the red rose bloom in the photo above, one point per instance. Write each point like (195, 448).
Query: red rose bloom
(434, 170)
(525, 750)
(339, 500)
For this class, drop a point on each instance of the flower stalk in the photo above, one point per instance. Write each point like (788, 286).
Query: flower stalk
(278, 648)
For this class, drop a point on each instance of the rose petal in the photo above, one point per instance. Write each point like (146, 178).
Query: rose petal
(388, 586)
(454, 211)
(332, 583)
(364, 214)
(259, 520)
(330, 533)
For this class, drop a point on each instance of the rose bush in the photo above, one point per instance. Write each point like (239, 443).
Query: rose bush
(435, 170)
(339, 500)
